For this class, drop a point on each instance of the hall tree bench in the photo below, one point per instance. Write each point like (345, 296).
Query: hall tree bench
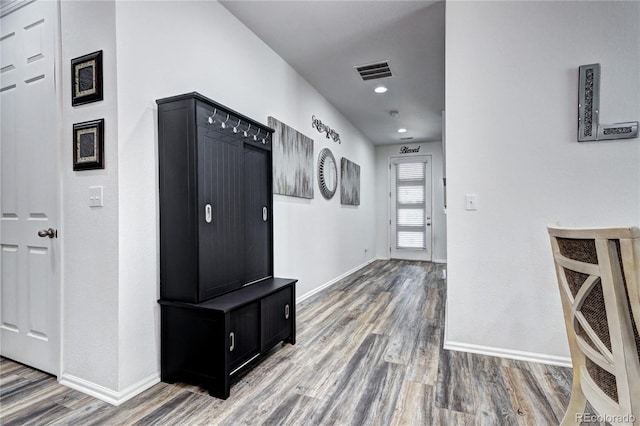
(221, 306)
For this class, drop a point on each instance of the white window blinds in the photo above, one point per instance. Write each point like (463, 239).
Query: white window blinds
(410, 205)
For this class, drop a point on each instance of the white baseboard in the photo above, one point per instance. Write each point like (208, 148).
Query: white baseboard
(508, 353)
(105, 394)
(432, 260)
(335, 280)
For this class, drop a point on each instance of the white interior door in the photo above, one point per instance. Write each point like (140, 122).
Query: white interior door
(410, 208)
(30, 254)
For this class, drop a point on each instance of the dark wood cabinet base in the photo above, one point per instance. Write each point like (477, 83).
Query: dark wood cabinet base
(207, 343)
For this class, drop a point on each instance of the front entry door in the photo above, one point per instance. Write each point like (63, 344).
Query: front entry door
(29, 244)
(410, 208)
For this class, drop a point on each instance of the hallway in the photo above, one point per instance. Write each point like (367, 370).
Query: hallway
(368, 353)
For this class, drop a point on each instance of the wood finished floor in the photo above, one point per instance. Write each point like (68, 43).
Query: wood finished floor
(369, 352)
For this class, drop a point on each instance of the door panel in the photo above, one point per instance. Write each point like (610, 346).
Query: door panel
(258, 202)
(244, 343)
(29, 312)
(9, 294)
(277, 314)
(410, 208)
(220, 185)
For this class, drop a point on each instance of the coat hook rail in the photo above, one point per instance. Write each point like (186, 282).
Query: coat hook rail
(237, 127)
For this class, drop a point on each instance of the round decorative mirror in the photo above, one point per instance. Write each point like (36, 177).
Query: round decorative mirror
(327, 173)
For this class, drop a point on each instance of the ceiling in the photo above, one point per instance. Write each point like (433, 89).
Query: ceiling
(324, 40)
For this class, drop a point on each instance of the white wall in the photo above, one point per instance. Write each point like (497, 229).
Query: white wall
(511, 96)
(110, 314)
(169, 48)
(438, 216)
(89, 234)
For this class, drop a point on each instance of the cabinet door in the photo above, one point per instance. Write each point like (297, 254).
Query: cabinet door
(244, 336)
(277, 317)
(257, 175)
(220, 215)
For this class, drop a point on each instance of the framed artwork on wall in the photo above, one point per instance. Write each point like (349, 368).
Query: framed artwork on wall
(86, 79)
(292, 161)
(88, 145)
(349, 182)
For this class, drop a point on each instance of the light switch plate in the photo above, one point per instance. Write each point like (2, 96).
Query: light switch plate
(472, 201)
(95, 196)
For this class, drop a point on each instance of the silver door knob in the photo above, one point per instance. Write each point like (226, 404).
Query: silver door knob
(51, 233)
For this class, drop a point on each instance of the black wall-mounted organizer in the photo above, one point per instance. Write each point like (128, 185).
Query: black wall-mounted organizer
(221, 307)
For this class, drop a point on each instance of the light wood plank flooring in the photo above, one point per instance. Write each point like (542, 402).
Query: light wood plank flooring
(369, 352)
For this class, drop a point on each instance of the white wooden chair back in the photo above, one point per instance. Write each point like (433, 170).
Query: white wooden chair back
(597, 271)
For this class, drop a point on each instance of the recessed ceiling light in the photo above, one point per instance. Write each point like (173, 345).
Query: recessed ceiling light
(403, 130)
(380, 89)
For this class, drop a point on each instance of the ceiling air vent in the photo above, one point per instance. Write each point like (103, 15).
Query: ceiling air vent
(406, 139)
(374, 71)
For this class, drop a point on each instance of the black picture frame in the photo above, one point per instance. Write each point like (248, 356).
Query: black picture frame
(88, 145)
(86, 79)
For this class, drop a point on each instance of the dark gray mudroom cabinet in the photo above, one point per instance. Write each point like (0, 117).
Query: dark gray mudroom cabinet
(221, 307)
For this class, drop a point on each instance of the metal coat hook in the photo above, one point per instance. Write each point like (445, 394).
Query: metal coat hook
(255, 137)
(223, 124)
(235, 128)
(211, 117)
(246, 132)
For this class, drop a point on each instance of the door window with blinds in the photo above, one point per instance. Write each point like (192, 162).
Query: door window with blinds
(411, 208)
